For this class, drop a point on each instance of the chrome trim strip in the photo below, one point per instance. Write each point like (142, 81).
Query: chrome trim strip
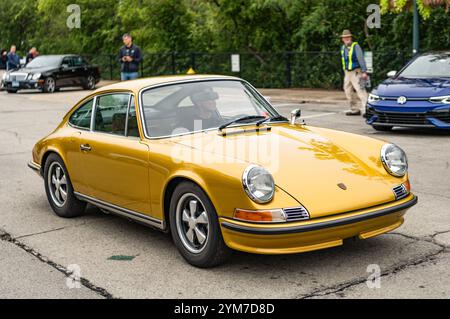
(123, 211)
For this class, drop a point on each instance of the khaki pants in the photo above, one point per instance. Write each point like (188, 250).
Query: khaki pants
(352, 83)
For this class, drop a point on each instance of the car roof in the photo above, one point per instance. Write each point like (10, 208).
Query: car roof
(139, 84)
(436, 52)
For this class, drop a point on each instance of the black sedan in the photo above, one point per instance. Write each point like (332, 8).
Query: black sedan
(49, 73)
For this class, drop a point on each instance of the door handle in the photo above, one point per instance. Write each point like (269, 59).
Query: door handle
(85, 147)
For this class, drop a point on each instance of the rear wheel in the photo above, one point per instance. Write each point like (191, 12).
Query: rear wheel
(59, 189)
(382, 128)
(195, 227)
(49, 85)
(89, 83)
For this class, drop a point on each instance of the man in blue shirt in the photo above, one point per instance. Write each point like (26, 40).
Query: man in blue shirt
(130, 57)
(13, 59)
(356, 75)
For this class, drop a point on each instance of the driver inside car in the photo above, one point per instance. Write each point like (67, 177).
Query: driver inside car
(203, 114)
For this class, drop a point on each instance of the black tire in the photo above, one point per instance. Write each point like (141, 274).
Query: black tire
(89, 83)
(11, 91)
(214, 250)
(71, 206)
(49, 85)
(382, 128)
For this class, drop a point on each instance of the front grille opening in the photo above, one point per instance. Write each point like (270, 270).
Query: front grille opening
(296, 214)
(400, 191)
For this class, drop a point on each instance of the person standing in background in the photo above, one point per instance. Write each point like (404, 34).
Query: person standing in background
(33, 53)
(130, 57)
(3, 59)
(13, 59)
(356, 75)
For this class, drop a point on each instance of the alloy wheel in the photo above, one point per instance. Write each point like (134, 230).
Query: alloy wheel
(91, 82)
(50, 85)
(192, 223)
(57, 184)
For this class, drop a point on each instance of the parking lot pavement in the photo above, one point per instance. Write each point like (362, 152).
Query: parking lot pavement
(117, 258)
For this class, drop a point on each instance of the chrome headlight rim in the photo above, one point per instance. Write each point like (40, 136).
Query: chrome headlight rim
(246, 185)
(36, 76)
(385, 161)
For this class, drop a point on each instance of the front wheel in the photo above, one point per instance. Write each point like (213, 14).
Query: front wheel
(11, 91)
(195, 227)
(59, 189)
(49, 85)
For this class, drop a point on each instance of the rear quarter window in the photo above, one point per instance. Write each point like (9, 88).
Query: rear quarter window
(82, 116)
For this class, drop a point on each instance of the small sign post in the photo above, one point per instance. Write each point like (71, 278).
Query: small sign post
(368, 57)
(235, 63)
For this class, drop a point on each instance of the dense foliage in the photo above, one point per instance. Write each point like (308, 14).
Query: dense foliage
(262, 30)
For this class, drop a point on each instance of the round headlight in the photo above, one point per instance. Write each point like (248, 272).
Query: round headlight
(394, 160)
(36, 76)
(5, 76)
(258, 184)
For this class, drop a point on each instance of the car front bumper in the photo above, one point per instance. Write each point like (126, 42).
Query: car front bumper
(317, 233)
(440, 120)
(24, 85)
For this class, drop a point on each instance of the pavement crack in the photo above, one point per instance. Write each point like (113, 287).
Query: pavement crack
(388, 272)
(85, 282)
(429, 239)
(40, 233)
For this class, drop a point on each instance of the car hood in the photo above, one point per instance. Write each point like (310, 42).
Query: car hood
(34, 70)
(414, 87)
(309, 164)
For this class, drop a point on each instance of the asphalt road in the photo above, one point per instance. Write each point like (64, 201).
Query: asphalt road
(121, 259)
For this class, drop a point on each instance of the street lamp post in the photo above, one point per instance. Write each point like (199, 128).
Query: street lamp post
(415, 28)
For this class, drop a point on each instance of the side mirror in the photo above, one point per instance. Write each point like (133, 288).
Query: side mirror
(295, 114)
(64, 66)
(391, 74)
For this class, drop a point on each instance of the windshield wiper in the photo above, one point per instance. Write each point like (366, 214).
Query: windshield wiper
(240, 119)
(275, 118)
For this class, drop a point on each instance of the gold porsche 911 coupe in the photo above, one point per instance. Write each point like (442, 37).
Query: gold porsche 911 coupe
(210, 160)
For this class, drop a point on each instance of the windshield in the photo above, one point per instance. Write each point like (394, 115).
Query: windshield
(44, 61)
(189, 107)
(428, 66)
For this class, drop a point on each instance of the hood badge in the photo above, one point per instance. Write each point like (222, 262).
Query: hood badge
(342, 186)
(401, 100)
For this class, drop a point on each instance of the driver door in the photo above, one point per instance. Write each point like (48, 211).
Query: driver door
(115, 160)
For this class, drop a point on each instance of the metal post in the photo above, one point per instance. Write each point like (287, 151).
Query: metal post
(111, 67)
(174, 67)
(193, 61)
(415, 29)
(288, 69)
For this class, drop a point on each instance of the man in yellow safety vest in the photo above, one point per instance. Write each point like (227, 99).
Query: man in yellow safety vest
(355, 71)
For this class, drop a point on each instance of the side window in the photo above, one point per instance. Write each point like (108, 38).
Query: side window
(111, 113)
(132, 129)
(78, 61)
(68, 62)
(82, 116)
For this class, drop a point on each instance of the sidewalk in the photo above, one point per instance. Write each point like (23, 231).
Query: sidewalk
(317, 96)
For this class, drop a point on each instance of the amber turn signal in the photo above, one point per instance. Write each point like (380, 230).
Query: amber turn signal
(260, 216)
